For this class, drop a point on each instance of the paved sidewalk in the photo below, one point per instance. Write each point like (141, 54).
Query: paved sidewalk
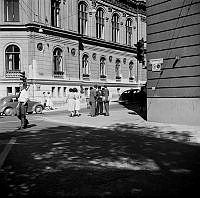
(128, 120)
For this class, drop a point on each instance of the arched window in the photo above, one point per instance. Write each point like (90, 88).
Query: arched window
(85, 64)
(55, 13)
(118, 69)
(100, 23)
(11, 10)
(58, 60)
(131, 64)
(82, 18)
(12, 59)
(102, 67)
(128, 32)
(115, 28)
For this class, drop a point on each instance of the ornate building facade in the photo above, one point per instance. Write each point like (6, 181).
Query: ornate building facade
(70, 43)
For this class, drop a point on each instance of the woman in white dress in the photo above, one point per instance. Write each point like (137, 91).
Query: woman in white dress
(77, 97)
(49, 103)
(70, 102)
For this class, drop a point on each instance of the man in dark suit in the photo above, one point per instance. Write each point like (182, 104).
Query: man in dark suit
(92, 101)
(106, 100)
(99, 101)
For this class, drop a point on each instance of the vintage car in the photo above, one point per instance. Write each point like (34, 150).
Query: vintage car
(9, 103)
(130, 96)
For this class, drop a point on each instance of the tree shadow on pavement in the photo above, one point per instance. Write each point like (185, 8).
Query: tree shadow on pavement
(123, 160)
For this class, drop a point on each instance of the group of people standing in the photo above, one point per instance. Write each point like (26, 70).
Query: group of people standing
(98, 101)
(47, 101)
(73, 102)
(99, 98)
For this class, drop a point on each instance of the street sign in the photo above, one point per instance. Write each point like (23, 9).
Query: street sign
(156, 64)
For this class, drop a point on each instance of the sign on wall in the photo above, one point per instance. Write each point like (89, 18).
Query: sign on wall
(156, 64)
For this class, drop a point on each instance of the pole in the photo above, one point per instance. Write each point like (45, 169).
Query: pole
(137, 41)
(79, 63)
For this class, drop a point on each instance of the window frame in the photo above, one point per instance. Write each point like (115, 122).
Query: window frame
(58, 53)
(85, 65)
(102, 66)
(129, 32)
(11, 56)
(55, 13)
(100, 23)
(14, 11)
(82, 18)
(115, 28)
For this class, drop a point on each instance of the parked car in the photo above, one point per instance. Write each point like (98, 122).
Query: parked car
(130, 96)
(8, 105)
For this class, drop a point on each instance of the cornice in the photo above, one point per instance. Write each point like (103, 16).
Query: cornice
(48, 30)
(129, 5)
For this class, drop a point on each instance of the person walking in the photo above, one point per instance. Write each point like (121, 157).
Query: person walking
(142, 99)
(106, 96)
(95, 88)
(44, 100)
(92, 101)
(22, 107)
(99, 101)
(71, 102)
(77, 97)
(49, 103)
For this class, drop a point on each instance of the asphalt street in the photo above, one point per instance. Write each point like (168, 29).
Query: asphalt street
(103, 156)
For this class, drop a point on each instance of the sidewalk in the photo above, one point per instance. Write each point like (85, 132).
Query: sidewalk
(125, 119)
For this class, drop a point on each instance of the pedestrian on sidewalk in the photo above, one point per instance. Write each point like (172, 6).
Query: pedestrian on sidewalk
(92, 101)
(142, 99)
(99, 101)
(49, 103)
(77, 105)
(106, 99)
(96, 88)
(71, 102)
(87, 97)
(22, 106)
(44, 99)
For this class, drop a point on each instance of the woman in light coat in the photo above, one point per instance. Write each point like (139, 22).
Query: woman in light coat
(49, 103)
(77, 97)
(71, 102)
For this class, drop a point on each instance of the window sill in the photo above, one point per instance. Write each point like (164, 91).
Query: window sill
(86, 77)
(118, 78)
(103, 76)
(58, 73)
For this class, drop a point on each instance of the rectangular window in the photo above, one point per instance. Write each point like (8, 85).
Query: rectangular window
(17, 90)
(55, 13)
(9, 91)
(11, 10)
(59, 94)
(64, 91)
(53, 91)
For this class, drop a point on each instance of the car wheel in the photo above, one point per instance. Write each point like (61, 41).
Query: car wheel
(8, 111)
(38, 109)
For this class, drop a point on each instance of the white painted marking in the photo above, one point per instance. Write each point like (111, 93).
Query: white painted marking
(6, 150)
